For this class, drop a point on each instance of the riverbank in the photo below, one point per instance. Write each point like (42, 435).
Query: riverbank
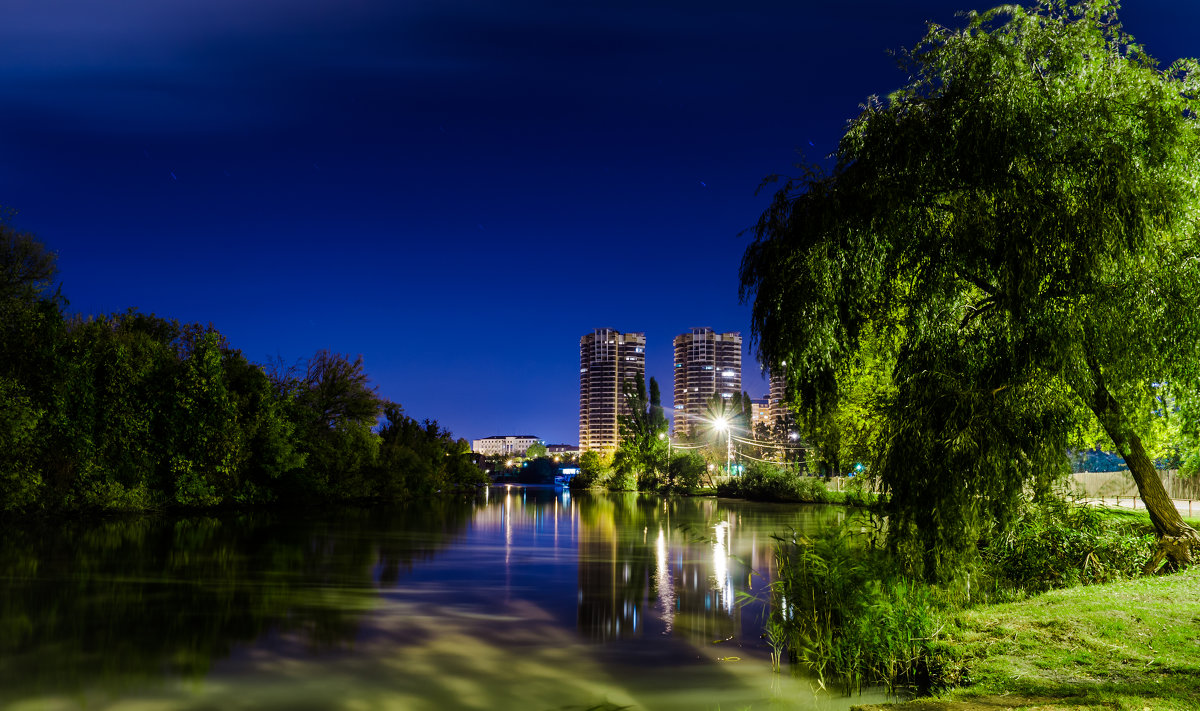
(1132, 645)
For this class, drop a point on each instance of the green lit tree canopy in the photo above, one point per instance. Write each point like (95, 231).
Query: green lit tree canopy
(1019, 224)
(643, 428)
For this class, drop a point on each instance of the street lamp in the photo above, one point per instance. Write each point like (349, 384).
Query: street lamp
(663, 435)
(722, 424)
(791, 453)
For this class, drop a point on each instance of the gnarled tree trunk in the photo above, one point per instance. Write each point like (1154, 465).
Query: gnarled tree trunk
(1176, 539)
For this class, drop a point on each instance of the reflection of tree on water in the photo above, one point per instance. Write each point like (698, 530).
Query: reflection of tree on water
(121, 601)
(635, 559)
(613, 567)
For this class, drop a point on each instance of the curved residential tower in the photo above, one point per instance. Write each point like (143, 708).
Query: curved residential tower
(607, 358)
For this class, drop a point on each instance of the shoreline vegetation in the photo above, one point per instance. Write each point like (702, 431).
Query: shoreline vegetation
(1129, 645)
(131, 412)
(1056, 613)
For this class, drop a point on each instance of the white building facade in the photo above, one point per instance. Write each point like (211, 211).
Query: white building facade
(504, 445)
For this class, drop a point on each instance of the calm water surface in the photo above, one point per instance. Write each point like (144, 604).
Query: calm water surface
(529, 599)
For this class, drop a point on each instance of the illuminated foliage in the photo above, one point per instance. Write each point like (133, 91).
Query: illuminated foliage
(641, 458)
(1020, 224)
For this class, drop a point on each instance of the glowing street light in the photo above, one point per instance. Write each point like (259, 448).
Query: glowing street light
(663, 435)
(721, 424)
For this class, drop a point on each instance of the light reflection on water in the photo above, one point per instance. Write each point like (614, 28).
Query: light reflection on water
(532, 599)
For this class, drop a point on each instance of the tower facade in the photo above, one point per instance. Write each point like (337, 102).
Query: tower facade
(706, 364)
(782, 427)
(780, 414)
(607, 358)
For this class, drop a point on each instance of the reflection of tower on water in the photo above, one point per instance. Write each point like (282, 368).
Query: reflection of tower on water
(683, 578)
(704, 589)
(721, 580)
(664, 588)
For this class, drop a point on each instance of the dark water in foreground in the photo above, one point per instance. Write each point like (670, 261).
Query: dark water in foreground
(530, 599)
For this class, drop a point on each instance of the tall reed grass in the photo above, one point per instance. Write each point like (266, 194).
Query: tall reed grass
(847, 617)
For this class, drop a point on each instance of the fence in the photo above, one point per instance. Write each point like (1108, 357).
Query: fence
(841, 483)
(1085, 485)
(1097, 486)
(1111, 485)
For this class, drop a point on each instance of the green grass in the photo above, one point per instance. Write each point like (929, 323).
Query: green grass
(1130, 645)
(1139, 518)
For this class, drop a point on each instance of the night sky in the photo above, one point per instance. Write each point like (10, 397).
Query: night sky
(455, 189)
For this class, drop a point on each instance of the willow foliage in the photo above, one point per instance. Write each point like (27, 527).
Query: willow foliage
(1021, 223)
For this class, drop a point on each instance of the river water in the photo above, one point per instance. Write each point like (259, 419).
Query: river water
(530, 599)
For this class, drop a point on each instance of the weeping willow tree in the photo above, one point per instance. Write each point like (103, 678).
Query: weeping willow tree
(1021, 224)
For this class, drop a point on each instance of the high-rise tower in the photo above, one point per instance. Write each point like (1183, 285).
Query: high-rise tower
(607, 358)
(706, 364)
(782, 418)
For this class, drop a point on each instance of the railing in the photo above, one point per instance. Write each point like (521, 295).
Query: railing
(1108, 485)
(1120, 487)
(1094, 486)
(841, 483)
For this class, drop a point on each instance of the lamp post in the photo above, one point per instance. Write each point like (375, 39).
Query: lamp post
(791, 453)
(723, 424)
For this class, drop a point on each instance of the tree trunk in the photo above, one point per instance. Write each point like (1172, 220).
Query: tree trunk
(1176, 539)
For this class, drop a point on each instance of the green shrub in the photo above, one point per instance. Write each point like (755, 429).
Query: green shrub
(593, 468)
(621, 481)
(1057, 544)
(858, 492)
(850, 615)
(764, 482)
(648, 480)
(685, 472)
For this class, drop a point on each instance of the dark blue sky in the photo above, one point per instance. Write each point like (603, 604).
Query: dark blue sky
(457, 190)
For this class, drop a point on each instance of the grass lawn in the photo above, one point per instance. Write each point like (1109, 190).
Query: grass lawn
(1139, 517)
(1133, 646)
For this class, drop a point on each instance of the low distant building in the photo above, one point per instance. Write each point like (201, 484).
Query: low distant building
(562, 450)
(504, 445)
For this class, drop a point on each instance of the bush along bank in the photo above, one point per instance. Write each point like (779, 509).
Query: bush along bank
(763, 482)
(766, 482)
(852, 613)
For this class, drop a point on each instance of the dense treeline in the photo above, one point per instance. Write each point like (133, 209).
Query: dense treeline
(134, 412)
